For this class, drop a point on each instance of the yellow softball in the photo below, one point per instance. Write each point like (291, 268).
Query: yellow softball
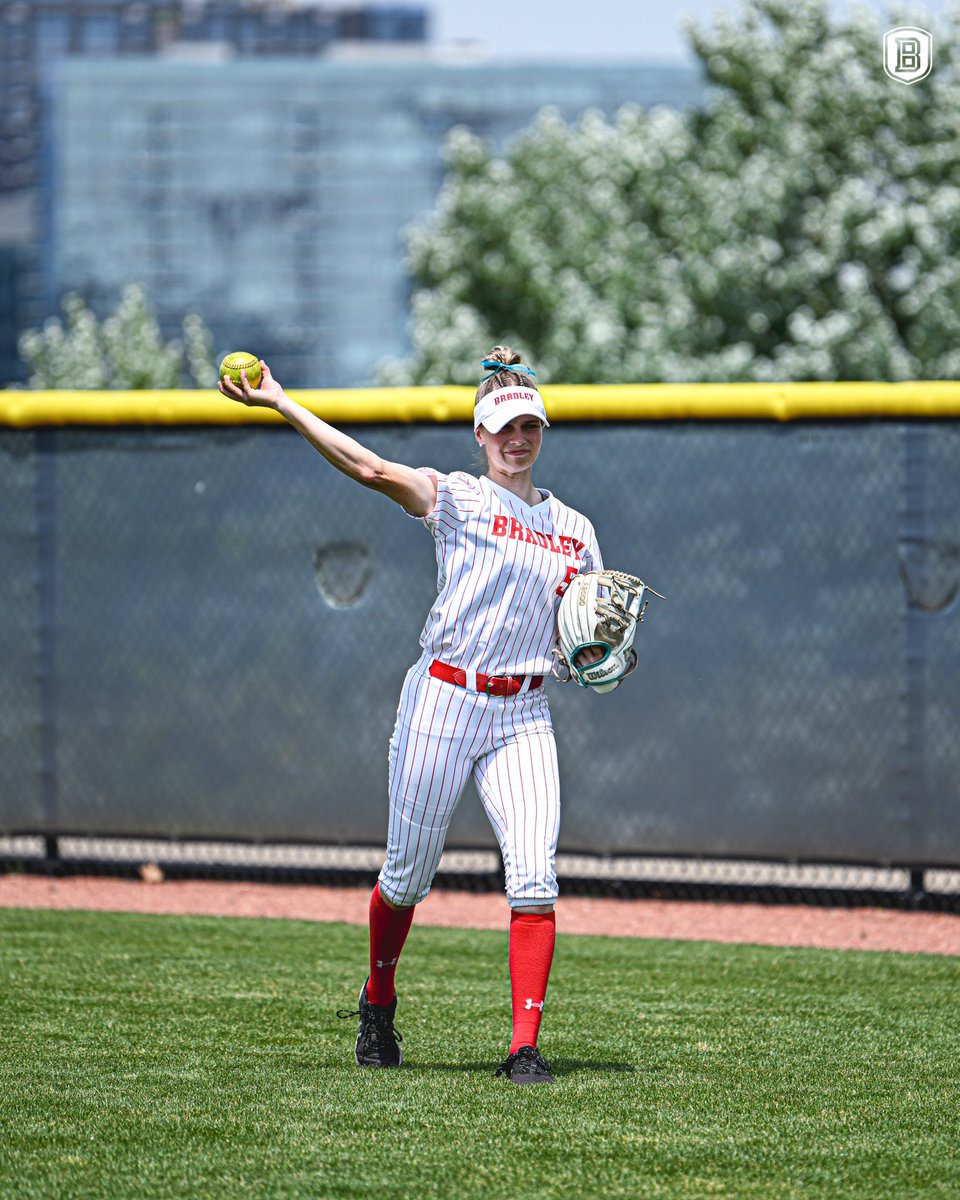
(239, 361)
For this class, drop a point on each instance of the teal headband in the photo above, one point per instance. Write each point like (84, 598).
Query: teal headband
(495, 367)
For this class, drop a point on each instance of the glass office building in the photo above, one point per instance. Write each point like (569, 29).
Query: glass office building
(272, 197)
(33, 33)
(37, 33)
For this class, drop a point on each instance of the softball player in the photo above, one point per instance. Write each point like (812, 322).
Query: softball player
(474, 705)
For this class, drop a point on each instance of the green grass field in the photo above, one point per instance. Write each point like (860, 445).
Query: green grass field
(149, 1057)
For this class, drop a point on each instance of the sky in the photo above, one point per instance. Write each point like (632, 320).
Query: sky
(605, 29)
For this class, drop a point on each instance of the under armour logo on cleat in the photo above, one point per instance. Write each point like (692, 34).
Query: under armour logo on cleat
(532, 1004)
(383, 963)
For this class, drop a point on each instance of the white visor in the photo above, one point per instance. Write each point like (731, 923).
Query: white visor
(499, 408)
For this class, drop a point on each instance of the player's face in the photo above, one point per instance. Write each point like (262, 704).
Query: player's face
(515, 448)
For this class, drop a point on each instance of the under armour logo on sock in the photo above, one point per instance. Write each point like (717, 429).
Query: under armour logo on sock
(393, 962)
(532, 1004)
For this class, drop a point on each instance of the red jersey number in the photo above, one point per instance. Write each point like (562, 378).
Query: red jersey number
(571, 572)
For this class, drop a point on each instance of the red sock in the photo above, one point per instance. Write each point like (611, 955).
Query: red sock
(532, 938)
(388, 931)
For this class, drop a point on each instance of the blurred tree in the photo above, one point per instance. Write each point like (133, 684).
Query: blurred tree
(126, 350)
(802, 225)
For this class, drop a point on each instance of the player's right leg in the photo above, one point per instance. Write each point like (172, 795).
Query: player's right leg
(440, 730)
(378, 1042)
(437, 732)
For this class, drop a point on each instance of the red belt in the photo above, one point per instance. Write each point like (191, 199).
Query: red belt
(493, 685)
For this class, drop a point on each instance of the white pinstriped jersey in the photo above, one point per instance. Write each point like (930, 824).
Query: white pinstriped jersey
(501, 568)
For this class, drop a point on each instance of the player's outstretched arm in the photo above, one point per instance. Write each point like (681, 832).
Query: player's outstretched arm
(414, 490)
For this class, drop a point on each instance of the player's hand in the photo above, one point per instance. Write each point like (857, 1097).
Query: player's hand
(267, 395)
(588, 655)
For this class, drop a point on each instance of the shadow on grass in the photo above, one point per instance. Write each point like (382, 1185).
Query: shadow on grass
(558, 1066)
(569, 1066)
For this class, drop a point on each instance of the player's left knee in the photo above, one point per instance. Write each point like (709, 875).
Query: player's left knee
(531, 890)
(539, 899)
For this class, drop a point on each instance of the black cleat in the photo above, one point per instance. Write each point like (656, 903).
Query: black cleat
(376, 1038)
(525, 1065)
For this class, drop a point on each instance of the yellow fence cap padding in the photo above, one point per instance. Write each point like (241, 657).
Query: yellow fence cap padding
(607, 402)
(342, 406)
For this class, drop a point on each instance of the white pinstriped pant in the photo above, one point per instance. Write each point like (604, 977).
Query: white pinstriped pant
(443, 735)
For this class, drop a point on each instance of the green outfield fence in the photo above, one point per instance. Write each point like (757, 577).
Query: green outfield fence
(204, 630)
